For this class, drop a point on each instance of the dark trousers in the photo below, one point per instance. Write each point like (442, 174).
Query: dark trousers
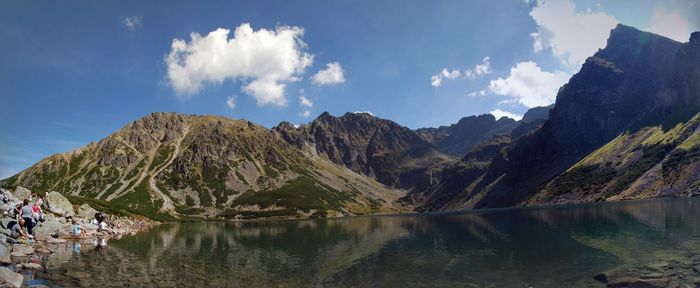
(29, 223)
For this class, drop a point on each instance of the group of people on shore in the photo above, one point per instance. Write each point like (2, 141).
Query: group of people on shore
(25, 214)
(28, 213)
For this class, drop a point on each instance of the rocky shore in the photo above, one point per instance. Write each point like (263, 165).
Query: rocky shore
(23, 255)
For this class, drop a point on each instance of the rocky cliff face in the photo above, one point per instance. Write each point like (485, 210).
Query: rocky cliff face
(657, 158)
(615, 90)
(381, 149)
(459, 138)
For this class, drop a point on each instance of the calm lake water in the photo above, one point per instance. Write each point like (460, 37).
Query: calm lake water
(544, 247)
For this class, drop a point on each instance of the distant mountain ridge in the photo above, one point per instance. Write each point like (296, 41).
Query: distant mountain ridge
(624, 127)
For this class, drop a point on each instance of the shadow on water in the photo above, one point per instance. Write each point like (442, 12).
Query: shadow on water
(534, 247)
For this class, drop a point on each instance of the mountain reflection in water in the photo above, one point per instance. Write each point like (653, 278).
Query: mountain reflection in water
(540, 247)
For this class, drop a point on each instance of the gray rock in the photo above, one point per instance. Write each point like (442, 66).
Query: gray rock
(59, 204)
(22, 193)
(86, 212)
(10, 278)
(4, 255)
(23, 249)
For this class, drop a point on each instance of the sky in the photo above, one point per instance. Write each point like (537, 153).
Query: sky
(73, 72)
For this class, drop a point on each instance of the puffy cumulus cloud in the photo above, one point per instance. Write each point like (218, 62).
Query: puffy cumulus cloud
(305, 114)
(670, 24)
(480, 69)
(572, 35)
(264, 59)
(333, 74)
(498, 113)
(132, 22)
(305, 102)
(231, 102)
(530, 85)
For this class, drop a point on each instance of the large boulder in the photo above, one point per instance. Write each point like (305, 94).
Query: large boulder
(51, 226)
(22, 193)
(86, 212)
(58, 204)
(9, 278)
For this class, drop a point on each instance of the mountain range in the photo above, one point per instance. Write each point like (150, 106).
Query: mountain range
(624, 127)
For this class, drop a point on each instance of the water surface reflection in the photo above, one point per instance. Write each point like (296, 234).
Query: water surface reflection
(534, 247)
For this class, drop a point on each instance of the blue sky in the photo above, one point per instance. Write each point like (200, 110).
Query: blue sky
(72, 72)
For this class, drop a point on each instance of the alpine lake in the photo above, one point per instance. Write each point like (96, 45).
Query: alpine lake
(564, 246)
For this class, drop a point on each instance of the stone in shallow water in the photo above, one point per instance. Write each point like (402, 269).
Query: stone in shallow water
(10, 278)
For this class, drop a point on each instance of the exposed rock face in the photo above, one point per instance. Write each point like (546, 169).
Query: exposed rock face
(616, 89)
(381, 149)
(458, 139)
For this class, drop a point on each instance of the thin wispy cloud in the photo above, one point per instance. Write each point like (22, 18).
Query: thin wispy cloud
(132, 22)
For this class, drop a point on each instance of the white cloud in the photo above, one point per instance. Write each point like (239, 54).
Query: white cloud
(364, 112)
(572, 36)
(265, 59)
(333, 74)
(498, 113)
(670, 24)
(529, 84)
(303, 101)
(231, 102)
(305, 114)
(480, 69)
(477, 93)
(436, 80)
(132, 22)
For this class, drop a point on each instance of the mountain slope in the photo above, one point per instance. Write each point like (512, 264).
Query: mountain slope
(169, 164)
(616, 89)
(657, 160)
(381, 149)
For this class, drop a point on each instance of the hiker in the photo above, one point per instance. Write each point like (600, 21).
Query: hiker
(76, 230)
(27, 213)
(16, 230)
(37, 213)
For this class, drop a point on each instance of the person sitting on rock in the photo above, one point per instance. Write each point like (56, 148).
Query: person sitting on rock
(77, 231)
(27, 213)
(36, 213)
(16, 230)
